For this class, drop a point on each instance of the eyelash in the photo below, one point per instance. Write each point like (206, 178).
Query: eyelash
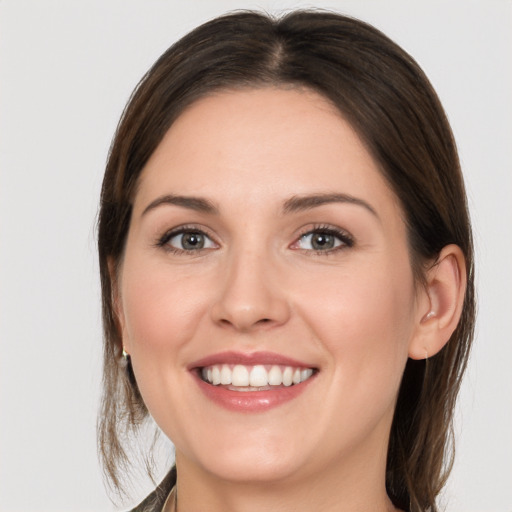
(346, 239)
(163, 241)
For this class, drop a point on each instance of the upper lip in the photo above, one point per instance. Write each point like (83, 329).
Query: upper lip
(248, 359)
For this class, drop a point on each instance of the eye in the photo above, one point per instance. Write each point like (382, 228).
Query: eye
(187, 240)
(323, 240)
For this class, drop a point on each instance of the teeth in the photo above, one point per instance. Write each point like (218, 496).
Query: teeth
(225, 375)
(240, 376)
(305, 374)
(275, 376)
(258, 376)
(288, 376)
(215, 375)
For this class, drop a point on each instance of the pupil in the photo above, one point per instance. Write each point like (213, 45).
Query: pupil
(192, 241)
(322, 241)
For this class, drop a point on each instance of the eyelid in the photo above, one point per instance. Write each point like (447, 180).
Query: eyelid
(347, 240)
(163, 240)
(343, 235)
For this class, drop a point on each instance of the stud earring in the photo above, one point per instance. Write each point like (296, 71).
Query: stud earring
(125, 355)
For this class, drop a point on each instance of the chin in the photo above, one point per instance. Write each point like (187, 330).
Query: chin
(262, 470)
(250, 461)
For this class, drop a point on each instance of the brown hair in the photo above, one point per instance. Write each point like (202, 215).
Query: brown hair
(387, 98)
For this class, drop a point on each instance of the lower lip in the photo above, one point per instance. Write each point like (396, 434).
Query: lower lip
(251, 401)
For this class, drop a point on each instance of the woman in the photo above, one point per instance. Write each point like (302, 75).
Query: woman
(287, 270)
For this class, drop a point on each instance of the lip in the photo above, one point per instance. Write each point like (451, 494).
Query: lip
(249, 401)
(249, 359)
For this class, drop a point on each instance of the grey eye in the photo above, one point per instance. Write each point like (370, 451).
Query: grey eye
(319, 241)
(191, 241)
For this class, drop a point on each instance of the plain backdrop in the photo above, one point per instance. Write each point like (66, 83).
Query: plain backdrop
(66, 71)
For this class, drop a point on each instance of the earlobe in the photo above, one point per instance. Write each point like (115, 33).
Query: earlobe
(445, 290)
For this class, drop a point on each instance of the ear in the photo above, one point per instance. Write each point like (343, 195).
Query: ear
(441, 307)
(117, 305)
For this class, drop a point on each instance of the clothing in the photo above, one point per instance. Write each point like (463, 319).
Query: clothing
(156, 500)
(171, 503)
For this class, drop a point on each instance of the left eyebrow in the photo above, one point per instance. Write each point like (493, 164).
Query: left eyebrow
(301, 203)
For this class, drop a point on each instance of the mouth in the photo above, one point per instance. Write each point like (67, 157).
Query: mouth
(253, 382)
(250, 378)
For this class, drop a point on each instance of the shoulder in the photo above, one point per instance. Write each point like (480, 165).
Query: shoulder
(155, 501)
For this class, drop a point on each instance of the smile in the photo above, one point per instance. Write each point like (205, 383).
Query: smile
(257, 377)
(252, 382)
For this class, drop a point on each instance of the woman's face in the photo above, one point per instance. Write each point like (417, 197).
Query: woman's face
(266, 247)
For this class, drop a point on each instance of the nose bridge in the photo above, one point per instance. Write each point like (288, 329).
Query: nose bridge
(250, 295)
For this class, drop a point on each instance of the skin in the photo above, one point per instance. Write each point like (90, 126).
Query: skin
(355, 312)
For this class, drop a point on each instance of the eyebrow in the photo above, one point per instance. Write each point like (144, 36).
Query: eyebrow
(292, 205)
(197, 204)
(302, 203)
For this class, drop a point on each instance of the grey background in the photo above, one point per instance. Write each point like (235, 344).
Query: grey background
(66, 71)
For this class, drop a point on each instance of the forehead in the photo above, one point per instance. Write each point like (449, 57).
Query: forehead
(267, 143)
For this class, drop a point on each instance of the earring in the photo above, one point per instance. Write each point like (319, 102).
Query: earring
(125, 355)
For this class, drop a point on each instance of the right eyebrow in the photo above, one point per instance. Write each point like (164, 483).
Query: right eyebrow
(198, 204)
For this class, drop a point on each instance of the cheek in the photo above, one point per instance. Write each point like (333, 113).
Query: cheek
(160, 309)
(365, 319)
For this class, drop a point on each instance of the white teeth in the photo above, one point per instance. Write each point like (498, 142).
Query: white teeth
(288, 376)
(257, 376)
(225, 374)
(215, 375)
(240, 376)
(275, 376)
(305, 374)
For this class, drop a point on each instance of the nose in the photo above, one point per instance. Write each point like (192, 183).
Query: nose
(251, 296)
